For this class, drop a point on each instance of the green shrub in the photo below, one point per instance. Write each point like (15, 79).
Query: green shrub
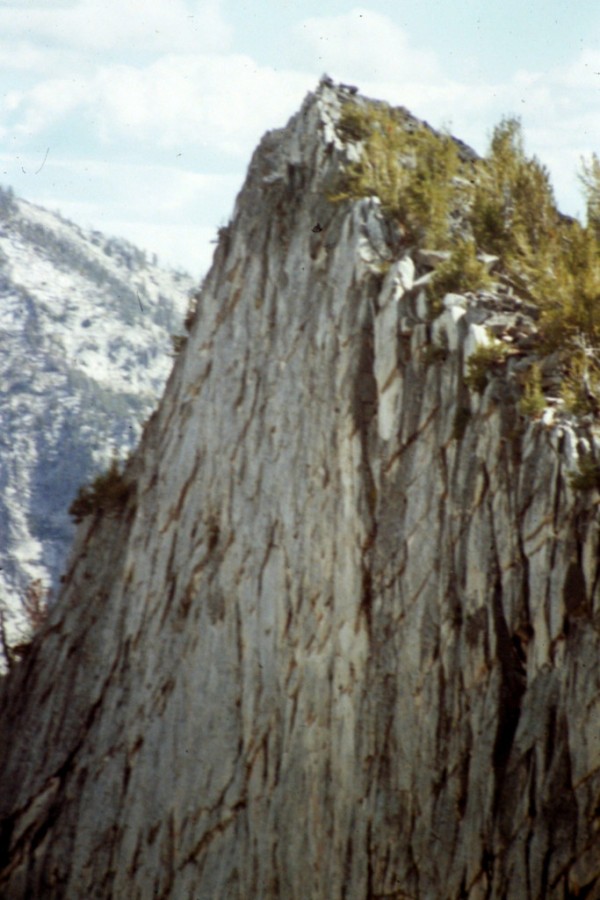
(382, 169)
(569, 291)
(588, 476)
(589, 177)
(354, 124)
(108, 493)
(178, 342)
(433, 354)
(460, 273)
(191, 311)
(411, 170)
(430, 195)
(514, 212)
(580, 387)
(482, 363)
(533, 402)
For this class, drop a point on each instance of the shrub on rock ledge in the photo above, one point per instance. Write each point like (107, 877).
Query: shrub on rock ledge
(108, 493)
(461, 272)
(485, 360)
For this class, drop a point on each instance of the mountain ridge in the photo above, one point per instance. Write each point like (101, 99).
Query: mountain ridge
(85, 322)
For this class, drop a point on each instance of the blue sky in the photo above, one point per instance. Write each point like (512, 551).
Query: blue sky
(138, 117)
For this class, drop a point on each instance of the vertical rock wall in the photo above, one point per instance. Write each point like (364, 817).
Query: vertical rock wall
(343, 640)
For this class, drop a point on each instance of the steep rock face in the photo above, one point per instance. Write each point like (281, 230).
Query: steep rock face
(342, 640)
(85, 330)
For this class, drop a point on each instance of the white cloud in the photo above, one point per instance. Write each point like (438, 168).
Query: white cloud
(225, 102)
(362, 44)
(122, 25)
(23, 56)
(43, 105)
(584, 71)
(179, 101)
(37, 4)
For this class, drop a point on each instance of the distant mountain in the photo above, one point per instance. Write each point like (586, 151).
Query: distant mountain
(85, 349)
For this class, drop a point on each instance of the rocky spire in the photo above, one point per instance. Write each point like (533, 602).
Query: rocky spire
(340, 637)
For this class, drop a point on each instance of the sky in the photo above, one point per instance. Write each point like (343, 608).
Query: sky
(139, 117)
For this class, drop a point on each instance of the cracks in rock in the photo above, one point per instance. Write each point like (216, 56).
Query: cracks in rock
(271, 545)
(366, 599)
(218, 828)
(578, 603)
(130, 754)
(558, 802)
(511, 691)
(584, 890)
(525, 631)
(575, 597)
(403, 447)
(175, 511)
(555, 517)
(369, 857)
(246, 425)
(572, 886)
(13, 853)
(364, 412)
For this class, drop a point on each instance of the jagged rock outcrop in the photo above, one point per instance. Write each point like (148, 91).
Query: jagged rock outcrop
(342, 640)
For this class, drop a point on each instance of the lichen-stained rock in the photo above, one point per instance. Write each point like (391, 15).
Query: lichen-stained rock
(343, 638)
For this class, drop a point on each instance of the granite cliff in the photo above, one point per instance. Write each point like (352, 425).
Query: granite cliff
(341, 638)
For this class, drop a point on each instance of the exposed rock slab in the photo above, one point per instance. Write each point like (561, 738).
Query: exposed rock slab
(343, 642)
